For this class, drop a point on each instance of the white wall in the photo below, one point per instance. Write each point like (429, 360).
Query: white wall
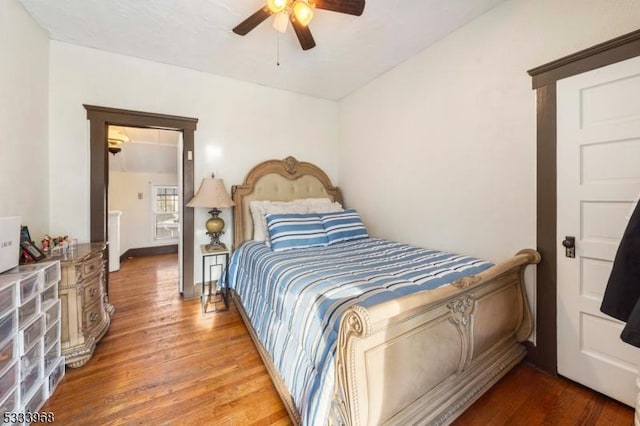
(440, 151)
(240, 124)
(136, 222)
(24, 85)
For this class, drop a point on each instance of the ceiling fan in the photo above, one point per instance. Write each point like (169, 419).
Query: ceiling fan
(299, 13)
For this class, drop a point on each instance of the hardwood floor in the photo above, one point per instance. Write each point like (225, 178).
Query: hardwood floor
(163, 362)
(527, 396)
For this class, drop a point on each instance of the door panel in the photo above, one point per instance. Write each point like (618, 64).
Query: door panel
(598, 184)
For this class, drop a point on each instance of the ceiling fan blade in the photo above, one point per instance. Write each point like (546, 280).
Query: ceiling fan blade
(350, 7)
(304, 34)
(252, 21)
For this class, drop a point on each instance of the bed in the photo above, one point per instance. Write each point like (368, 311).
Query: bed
(418, 350)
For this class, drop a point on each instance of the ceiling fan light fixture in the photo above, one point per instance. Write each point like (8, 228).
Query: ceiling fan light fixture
(281, 22)
(276, 6)
(114, 149)
(115, 139)
(302, 12)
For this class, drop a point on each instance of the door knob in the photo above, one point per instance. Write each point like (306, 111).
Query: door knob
(569, 244)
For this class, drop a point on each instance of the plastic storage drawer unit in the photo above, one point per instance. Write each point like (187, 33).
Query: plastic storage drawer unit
(31, 369)
(51, 336)
(51, 356)
(31, 333)
(50, 271)
(37, 399)
(49, 295)
(28, 310)
(8, 381)
(8, 353)
(8, 294)
(8, 405)
(52, 313)
(56, 376)
(29, 283)
(8, 325)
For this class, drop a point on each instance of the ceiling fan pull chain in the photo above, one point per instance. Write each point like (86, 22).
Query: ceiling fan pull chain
(277, 48)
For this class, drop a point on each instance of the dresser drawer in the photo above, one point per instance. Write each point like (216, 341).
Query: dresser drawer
(73, 272)
(92, 316)
(92, 265)
(92, 289)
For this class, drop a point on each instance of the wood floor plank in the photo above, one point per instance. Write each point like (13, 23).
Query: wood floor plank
(164, 362)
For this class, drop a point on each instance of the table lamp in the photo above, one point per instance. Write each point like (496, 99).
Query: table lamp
(212, 194)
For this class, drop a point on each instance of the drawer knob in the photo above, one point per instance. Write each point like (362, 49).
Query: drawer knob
(93, 292)
(93, 317)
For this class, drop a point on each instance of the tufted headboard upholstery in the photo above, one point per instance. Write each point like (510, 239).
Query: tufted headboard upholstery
(277, 180)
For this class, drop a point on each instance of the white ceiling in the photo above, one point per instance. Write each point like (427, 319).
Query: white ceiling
(147, 151)
(350, 51)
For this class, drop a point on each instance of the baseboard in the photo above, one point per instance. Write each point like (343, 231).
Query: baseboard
(149, 251)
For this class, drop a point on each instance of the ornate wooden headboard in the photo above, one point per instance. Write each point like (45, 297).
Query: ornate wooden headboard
(277, 180)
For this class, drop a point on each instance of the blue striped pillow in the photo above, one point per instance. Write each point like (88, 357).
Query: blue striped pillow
(290, 230)
(343, 226)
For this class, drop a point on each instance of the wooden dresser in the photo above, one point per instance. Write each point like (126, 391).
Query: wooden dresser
(86, 313)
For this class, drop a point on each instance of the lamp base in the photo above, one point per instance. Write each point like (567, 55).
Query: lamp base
(215, 228)
(215, 243)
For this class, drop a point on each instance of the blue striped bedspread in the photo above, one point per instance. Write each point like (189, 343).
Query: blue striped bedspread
(295, 300)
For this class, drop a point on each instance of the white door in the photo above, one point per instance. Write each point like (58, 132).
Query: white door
(598, 149)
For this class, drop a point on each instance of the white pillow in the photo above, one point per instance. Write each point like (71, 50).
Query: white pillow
(322, 205)
(257, 214)
(327, 208)
(259, 209)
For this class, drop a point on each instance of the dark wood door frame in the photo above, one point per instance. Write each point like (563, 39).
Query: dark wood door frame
(544, 352)
(102, 117)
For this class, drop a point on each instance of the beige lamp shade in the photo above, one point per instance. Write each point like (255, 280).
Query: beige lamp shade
(212, 194)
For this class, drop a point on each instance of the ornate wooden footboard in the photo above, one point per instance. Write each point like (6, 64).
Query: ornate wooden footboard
(424, 358)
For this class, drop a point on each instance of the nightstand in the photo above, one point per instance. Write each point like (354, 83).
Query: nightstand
(214, 259)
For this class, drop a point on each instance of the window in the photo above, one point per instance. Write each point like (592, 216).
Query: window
(166, 212)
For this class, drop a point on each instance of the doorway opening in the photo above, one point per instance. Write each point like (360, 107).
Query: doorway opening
(100, 118)
(144, 194)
